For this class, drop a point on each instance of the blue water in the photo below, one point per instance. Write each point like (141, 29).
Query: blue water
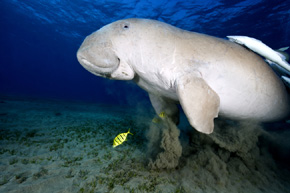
(39, 39)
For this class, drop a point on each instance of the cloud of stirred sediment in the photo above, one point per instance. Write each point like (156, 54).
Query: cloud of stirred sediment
(164, 146)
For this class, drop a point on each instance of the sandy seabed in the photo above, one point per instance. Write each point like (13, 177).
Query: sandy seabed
(51, 146)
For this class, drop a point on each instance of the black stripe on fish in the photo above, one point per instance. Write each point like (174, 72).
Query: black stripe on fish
(117, 140)
(122, 137)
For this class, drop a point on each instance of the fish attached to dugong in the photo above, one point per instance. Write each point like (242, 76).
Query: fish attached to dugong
(208, 76)
(259, 47)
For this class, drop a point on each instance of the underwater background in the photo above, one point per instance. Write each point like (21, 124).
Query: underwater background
(58, 121)
(39, 39)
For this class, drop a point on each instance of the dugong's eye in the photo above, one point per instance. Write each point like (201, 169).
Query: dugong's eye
(126, 26)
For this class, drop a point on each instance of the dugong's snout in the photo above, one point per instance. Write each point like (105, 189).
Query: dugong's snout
(97, 57)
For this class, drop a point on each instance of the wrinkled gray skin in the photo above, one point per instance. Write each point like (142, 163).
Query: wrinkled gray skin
(208, 76)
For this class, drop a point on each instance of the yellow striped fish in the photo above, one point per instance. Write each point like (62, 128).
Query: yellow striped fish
(162, 114)
(120, 138)
(157, 119)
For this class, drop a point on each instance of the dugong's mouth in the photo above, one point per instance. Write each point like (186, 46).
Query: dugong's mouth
(103, 71)
(99, 66)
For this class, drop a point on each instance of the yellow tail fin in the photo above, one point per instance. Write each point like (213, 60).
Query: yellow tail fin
(129, 132)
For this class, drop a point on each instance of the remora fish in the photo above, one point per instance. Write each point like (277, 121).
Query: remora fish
(162, 114)
(282, 51)
(262, 49)
(286, 80)
(120, 138)
(277, 68)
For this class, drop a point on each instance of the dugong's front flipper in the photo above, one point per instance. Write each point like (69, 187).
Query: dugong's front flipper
(161, 104)
(199, 102)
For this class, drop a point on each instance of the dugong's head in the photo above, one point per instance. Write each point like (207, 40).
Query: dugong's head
(105, 52)
(119, 49)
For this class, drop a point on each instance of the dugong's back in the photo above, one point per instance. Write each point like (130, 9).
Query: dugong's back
(247, 86)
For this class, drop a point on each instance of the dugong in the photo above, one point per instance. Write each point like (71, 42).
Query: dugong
(259, 47)
(208, 76)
